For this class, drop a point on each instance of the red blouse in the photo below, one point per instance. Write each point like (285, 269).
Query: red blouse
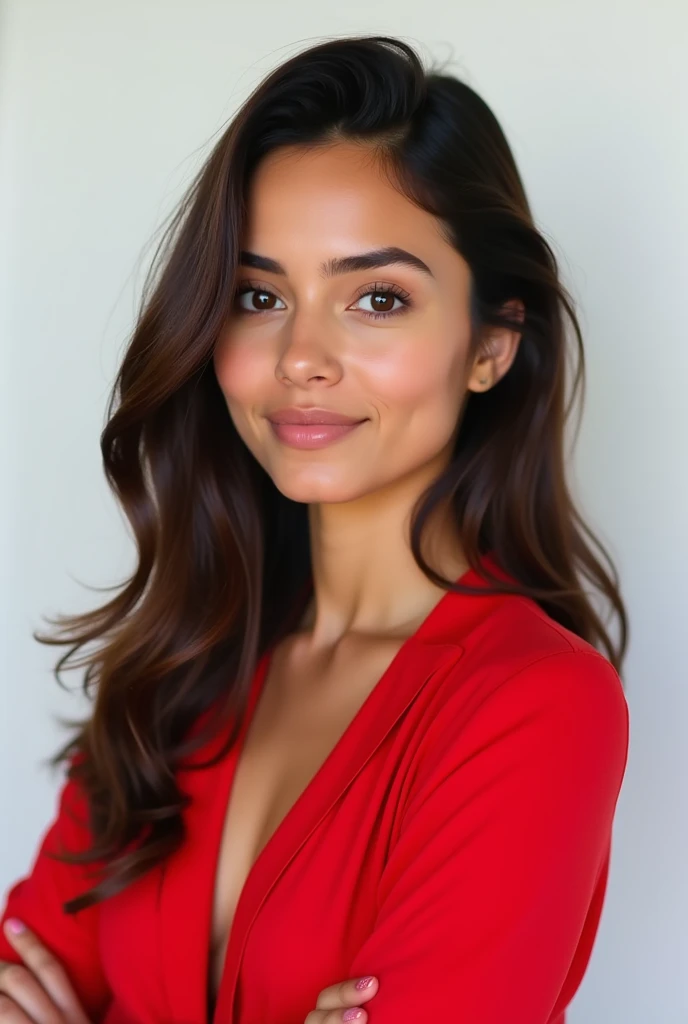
(455, 843)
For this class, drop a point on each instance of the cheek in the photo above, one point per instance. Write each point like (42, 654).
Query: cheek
(242, 374)
(241, 371)
(421, 380)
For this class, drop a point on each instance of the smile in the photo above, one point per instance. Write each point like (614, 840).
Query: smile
(317, 435)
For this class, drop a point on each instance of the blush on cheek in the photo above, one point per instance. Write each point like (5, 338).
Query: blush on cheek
(420, 403)
(242, 375)
(422, 378)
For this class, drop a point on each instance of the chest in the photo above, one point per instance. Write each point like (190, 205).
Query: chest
(303, 711)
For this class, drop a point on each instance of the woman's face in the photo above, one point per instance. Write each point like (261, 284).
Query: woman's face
(387, 345)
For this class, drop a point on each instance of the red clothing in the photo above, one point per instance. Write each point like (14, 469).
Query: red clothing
(455, 844)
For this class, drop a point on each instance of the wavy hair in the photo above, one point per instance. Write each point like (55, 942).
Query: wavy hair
(223, 567)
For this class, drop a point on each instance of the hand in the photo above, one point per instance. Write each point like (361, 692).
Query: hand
(37, 991)
(341, 1002)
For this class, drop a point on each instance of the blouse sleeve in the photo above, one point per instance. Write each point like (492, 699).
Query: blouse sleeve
(502, 850)
(38, 898)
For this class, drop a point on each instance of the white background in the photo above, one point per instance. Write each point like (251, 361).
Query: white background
(107, 109)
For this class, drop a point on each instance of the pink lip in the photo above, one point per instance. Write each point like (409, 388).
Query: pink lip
(299, 435)
(310, 416)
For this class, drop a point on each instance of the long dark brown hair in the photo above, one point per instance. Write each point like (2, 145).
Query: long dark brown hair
(223, 561)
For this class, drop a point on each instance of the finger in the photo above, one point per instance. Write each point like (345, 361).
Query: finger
(10, 1013)
(352, 992)
(353, 1013)
(341, 1002)
(22, 998)
(47, 969)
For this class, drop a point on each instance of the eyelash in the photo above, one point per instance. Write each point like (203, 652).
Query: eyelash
(377, 289)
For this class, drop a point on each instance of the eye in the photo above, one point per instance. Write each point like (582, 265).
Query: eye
(382, 299)
(260, 305)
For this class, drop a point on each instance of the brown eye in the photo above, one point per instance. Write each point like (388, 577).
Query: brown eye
(262, 300)
(382, 301)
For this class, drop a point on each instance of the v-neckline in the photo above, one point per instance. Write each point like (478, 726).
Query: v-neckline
(226, 788)
(372, 721)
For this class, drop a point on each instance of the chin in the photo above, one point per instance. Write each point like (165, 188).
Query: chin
(315, 489)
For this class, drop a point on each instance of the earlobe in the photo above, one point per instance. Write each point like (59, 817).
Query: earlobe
(480, 379)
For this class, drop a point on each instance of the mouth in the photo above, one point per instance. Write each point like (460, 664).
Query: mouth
(314, 435)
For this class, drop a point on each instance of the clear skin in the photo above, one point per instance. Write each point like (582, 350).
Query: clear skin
(311, 343)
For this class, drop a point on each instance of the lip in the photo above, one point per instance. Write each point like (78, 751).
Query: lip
(312, 416)
(314, 435)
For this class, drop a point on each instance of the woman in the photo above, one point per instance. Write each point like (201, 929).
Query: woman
(358, 608)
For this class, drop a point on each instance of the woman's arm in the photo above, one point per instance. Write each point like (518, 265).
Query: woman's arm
(503, 852)
(38, 899)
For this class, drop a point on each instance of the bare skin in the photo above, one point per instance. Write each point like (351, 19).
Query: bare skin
(407, 375)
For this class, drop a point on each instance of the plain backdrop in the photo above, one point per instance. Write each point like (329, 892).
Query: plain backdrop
(106, 111)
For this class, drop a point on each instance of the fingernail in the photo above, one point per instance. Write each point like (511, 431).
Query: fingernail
(365, 982)
(15, 925)
(353, 1014)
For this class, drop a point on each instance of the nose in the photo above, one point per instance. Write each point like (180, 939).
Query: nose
(304, 357)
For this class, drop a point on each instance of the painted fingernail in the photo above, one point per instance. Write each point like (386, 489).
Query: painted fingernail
(365, 982)
(15, 925)
(353, 1014)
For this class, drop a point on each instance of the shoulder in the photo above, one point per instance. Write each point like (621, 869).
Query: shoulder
(518, 673)
(515, 639)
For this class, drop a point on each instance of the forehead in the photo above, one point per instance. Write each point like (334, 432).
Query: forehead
(336, 193)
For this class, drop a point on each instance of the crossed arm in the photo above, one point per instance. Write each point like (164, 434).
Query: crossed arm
(490, 899)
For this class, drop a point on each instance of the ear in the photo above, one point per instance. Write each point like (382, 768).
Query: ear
(497, 350)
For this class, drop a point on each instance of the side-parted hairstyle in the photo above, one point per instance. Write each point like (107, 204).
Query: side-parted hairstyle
(223, 562)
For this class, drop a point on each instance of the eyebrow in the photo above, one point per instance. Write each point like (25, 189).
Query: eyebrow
(343, 264)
